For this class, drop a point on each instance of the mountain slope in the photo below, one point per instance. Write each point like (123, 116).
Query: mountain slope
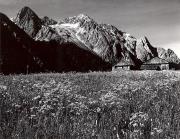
(15, 49)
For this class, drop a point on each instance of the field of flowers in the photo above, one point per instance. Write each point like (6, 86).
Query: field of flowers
(97, 105)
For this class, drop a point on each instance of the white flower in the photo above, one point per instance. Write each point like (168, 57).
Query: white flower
(52, 82)
(98, 109)
(3, 87)
(37, 97)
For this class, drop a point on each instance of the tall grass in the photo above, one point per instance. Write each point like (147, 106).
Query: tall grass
(119, 105)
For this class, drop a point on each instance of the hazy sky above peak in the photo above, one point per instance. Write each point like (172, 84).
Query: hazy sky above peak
(159, 20)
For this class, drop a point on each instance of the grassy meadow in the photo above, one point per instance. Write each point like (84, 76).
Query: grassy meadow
(97, 105)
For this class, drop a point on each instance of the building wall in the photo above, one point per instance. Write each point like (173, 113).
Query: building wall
(155, 67)
(165, 67)
(119, 68)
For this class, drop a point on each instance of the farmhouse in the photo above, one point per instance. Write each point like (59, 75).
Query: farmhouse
(155, 64)
(124, 65)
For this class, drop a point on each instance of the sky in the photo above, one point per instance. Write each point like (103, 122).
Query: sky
(158, 20)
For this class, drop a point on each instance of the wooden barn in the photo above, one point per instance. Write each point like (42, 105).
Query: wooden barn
(155, 64)
(124, 65)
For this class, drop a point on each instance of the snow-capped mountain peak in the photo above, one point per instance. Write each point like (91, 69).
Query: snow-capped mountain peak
(84, 17)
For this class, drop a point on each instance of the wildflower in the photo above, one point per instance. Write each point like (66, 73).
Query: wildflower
(37, 97)
(52, 82)
(98, 109)
(3, 87)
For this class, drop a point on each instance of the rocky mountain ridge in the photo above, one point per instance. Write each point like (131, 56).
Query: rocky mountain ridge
(102, 41)
(105, 40)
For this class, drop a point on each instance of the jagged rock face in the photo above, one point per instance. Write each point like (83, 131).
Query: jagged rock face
(130, 43)
(144, 50)
(104, 40)
(46, 33)
(87, 31)
(47, 21)
(114, 38)
(28, 21)
(168, 55)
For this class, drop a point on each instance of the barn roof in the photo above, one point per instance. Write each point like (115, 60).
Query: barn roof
(156, 60)
(125, 62)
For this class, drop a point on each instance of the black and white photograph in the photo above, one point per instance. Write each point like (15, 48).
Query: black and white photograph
(89, 69)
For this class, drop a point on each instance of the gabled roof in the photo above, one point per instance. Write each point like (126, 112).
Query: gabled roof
(156, 60)
(125, 62)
